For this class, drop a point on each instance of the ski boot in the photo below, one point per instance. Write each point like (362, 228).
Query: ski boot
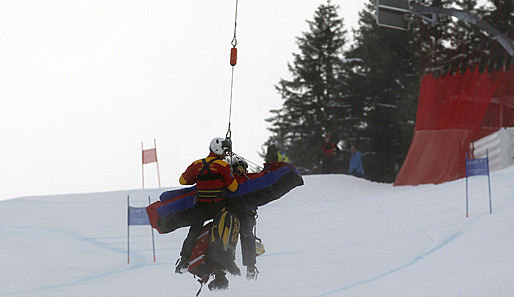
(182, 265)
(251, 273)
(233, 269)
(220, 282)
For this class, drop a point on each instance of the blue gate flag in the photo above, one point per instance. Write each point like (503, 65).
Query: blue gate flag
(477, 167)
(138, 216)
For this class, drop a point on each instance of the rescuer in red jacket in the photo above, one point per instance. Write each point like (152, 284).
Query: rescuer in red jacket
(329, 150)
(213, 178)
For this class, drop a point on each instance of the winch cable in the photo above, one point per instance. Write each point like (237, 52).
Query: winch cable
(252, 165)
(233, 62)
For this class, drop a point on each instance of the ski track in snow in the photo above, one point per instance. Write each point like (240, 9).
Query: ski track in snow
(73, 236)
(408, 264)
(416, 259)
(412, 262)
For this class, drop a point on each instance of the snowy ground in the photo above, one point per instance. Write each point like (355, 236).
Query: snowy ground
(335, 236)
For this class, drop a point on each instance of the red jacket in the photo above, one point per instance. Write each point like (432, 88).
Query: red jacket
(329, 149)
(215, 177)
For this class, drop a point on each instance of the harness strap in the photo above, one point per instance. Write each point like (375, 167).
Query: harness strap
(206, 166)
(209, 175)
(209, 195)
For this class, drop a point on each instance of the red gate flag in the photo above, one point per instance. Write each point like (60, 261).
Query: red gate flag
(149, 156)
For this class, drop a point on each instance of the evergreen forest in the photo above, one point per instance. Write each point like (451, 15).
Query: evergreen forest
(361, 86)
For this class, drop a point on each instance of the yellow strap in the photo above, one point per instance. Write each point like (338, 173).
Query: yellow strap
(222, 223)
(225, 238)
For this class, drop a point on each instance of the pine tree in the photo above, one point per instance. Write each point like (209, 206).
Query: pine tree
(312, 98)
(385, 76)
(501, 16)
(456, 45)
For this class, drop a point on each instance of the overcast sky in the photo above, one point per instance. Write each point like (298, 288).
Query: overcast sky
(83, 83)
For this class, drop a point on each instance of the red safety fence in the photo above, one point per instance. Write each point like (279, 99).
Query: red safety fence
(453, 111)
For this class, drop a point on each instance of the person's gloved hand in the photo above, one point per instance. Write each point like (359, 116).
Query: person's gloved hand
(240, 170)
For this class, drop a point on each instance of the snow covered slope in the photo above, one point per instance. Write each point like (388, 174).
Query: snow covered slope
(335, 236)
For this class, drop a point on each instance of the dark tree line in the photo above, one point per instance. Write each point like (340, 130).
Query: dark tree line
(365, 93)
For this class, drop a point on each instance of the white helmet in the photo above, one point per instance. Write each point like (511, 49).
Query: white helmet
(220, 145)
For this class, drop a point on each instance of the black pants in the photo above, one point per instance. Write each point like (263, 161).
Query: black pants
(326, 166)
(247, 219)
(204, 212)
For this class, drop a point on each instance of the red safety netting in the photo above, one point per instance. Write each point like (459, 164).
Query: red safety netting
(453, 111)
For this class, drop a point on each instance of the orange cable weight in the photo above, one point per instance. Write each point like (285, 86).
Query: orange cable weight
(233, 56)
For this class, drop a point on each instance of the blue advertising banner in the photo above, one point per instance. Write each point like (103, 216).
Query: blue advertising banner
(138, 216)
(477, 167)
